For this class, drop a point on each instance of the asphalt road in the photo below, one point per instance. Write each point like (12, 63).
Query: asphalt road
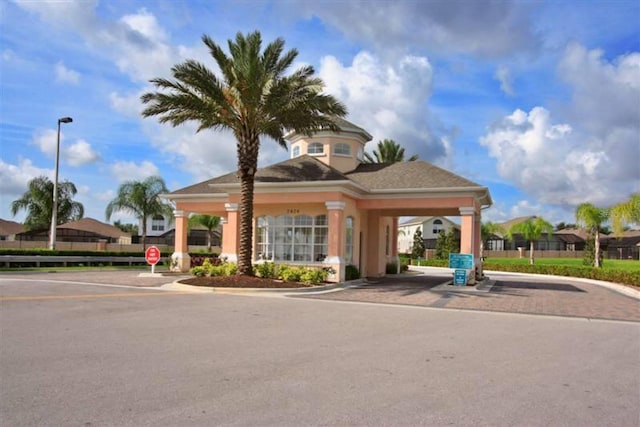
(84, 355)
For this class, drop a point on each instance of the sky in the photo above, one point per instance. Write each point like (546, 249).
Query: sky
(537, 100)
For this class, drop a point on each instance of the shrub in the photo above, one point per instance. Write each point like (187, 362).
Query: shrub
(198, 271)
(351, 272)
(313, 275)
(391, 268)
(229, 268)
(266, 270)
(290, 273)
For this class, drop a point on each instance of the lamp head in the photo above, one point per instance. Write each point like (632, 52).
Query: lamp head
(65, 120)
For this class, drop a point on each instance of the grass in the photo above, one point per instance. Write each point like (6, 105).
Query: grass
(608, 264)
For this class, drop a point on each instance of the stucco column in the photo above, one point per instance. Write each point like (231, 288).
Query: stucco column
(394, 243)
(470, 236)
(180, 259)
(335, 244)
(230, 233)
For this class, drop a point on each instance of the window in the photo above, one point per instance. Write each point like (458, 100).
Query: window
(360, 154)
(343, 149)
(157, 223)
(315, 148)
(437, 226)
(348, 250)
(387, 242)
(302, 238)
(295, 152)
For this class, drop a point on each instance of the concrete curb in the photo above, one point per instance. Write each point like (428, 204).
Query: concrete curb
(622, 289)
(177, 286)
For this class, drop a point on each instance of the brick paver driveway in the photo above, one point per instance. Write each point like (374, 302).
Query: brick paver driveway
(510, 293)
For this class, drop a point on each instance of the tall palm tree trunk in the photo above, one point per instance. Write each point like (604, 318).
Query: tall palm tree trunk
(531, 258)
(596, 261)
(247, 161)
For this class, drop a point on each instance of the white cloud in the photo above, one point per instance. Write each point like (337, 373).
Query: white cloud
(66, 75)
(503, 75)
(79, 153)
(15, 178)
(389, 101)
(130, 171)
(477, 27)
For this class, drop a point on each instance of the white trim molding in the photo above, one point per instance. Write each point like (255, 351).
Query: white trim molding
(335, 205)
(231, 207)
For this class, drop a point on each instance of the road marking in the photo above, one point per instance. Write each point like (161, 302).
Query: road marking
(53, 297)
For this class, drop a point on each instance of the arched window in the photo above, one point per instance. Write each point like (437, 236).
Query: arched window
(348, 250)
(315, 148)
(157, 223)
(301, 238)
(295, 152)
(342, 149)
(438, 227)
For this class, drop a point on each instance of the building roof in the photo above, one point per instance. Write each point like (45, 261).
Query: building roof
(9, 228)
(406, 175)
(344, 126)
(94, 226)
(304, 168)
(380, 177)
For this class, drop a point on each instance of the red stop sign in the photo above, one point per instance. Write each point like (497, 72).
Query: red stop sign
(152, 255)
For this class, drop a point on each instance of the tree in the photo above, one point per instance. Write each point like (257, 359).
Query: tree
(127, 228)
(592, 218)
(447, 243)
(254, 97)
(389, 151)
(38, 202)
(210, 222)
(488, 229)
(625, 213)
(531, 230)
(417, 250)
(141, 199)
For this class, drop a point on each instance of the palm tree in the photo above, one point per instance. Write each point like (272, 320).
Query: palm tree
(487, 230)
(592, 217)
(531, 230)
(38, 202)
(210, 222)
(626, 212)
(141, 199)
(389, 151)
(252, 98)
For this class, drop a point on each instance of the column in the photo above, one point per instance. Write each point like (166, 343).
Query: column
(335, 246)
(469, 237)
(394, 243)
(230, 233)
(180, 259)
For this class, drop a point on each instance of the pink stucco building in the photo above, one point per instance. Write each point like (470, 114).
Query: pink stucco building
(325, 207)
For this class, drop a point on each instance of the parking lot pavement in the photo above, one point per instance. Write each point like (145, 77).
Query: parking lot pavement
(78, 354)
(510, 293)
(140, 278)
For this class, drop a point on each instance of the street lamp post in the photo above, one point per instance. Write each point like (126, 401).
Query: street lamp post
(54, 211)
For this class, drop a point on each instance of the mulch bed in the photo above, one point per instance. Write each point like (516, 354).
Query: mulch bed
(239, 281)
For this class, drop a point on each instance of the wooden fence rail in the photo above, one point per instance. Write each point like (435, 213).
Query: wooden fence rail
(38, 260)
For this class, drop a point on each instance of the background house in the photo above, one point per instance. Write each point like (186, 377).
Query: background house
(83, 230)
(9, 229)
(429, 226)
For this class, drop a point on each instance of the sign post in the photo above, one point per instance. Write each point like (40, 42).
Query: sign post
(152, 255)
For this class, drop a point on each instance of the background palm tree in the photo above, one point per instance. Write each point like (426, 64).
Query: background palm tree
(626, 213)
(488, 229)
(531, 230)
(252, 98)
(38, 202)
(388, 151)
(141, 199)
(210, 222)
(592, 218)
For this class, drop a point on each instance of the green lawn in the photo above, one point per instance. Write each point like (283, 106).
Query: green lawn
(608, 264)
